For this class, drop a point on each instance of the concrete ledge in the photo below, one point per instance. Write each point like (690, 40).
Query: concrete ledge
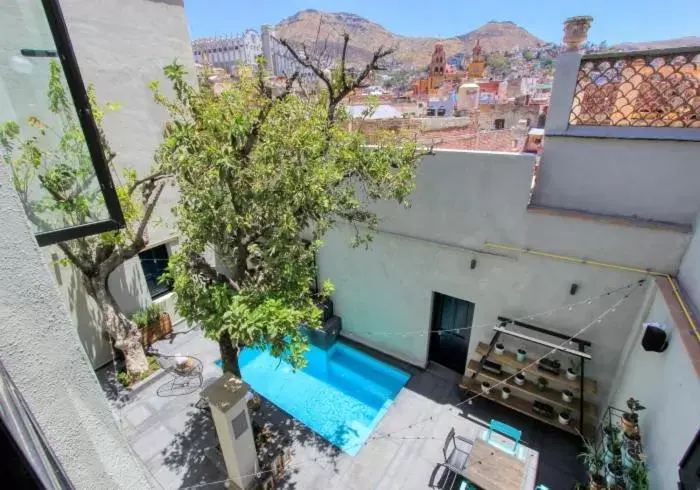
(140, 385)
(612, 220)
(628, 132)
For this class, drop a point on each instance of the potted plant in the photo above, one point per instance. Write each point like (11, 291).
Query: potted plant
(630, 419)
(610, 431)
(592, 459)
(636, 477)
(520, 379)
(574, 370)
(564, 417)
(154, 323)
(542, 383)
(520, 355)
(631, 448)
(499, 349)
(505, 392)
(612, 450)
(485, 387)
(615, 473)
(567, 396)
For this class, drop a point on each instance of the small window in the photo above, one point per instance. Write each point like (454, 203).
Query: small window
(154, 263)
(499, 123)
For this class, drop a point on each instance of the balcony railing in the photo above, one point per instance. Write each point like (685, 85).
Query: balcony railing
(658, 88)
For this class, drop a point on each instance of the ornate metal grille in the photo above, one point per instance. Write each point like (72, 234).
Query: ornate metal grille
(652, 88)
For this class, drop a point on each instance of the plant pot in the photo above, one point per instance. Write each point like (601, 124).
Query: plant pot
(596, 482)
(505, 393)
(520, 355)
(156, 330)
(564, 418)
(576, 31)
(570, 375)
(614, 474)
(499, 349)
(567, 396)
(519, 379)
(629, 423)
(485, 387)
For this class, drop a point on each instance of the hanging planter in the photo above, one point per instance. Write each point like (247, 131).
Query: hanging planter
(520, 379)
(567, 396)
(499, 349)
(615, 474)
(485, 387)
(520, 355)
(505, 392)
(572, 373)
(565, 417)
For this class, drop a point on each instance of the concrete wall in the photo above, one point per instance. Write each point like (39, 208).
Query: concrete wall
(654, 180)
(689, 273)
(666, 384)
(41, 351)
(121, 47)
(462, 200)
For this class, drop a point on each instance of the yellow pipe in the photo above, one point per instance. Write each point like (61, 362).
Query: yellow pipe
(607, 265)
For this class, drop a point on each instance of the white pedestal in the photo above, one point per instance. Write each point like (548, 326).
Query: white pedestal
(229, 411)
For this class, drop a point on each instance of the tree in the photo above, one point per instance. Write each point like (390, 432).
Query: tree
(498, 64)
(259, 169)
(528, 55)
(53, 158)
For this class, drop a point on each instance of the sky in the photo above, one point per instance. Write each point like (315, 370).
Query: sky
(614, 20)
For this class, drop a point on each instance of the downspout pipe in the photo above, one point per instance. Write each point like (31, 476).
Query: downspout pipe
(577, 260)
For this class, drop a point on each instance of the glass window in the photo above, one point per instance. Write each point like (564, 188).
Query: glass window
(49, 141)
(154, 263)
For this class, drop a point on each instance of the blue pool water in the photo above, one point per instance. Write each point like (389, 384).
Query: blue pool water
(341, 394)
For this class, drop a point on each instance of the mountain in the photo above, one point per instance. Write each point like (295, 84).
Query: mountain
(365, 36)
(668, 43)
(500, 36)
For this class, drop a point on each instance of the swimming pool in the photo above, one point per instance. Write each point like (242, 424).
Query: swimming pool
(341, 394)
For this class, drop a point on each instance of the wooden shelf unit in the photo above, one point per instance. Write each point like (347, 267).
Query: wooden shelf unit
(584, 413)
(509, 359)
(548, 395)
(525, 407)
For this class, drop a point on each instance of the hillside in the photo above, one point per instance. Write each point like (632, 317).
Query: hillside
(366, 36)
(668, 43)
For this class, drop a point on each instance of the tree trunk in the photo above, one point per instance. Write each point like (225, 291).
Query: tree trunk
(229, 354)
(124, 333)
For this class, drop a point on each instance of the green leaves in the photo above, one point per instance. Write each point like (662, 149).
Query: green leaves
(258, 170)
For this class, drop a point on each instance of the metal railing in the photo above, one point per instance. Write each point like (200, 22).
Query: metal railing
(659, 88)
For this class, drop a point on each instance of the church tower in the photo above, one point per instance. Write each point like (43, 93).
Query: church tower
(478, 63)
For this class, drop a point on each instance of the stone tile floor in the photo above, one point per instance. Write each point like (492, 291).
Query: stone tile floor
(175, 440)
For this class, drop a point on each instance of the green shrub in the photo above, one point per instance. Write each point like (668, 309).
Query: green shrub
(147, 316)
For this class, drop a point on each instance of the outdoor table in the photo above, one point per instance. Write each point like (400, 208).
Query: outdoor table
(491, 468)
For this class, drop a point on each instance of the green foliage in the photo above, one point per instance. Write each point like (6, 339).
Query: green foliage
(127, 379)
(147, 316)
(528, 55)
(256, 172)
(498, 63)
(592, 458)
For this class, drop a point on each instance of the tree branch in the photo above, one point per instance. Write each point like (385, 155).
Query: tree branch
(199, 265)
(154, 177)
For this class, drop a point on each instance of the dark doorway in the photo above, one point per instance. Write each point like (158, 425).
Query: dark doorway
(448, 345)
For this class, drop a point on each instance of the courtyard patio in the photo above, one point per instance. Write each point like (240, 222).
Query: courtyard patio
(176, 440)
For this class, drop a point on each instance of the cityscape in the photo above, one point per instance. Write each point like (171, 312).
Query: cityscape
(397, 247)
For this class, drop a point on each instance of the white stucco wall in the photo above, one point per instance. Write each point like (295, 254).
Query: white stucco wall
(667, 385)
(464, 199)
(653, 180)
(121, 47)
(42, 353)
(689, 272)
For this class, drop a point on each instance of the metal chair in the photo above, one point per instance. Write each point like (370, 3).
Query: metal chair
(505, 430)
(456, 451)
(185, 372)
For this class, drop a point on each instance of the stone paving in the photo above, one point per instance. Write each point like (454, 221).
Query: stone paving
(175, 440)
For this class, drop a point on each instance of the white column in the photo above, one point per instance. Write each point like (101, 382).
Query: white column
(563, 88)
(229, 411)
